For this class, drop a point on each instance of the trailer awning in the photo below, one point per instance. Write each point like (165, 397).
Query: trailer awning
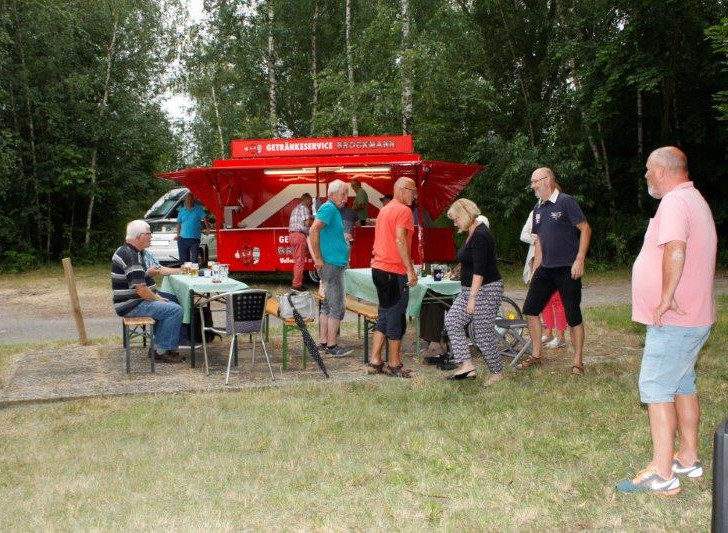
(439, 183)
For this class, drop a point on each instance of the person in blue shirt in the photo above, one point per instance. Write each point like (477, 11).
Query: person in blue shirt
(330, 253)
(190, 218)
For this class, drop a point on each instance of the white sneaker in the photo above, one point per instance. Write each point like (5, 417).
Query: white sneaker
(555, 343)
(546, 338)
(693, 471)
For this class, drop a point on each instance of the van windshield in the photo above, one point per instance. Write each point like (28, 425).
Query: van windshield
(161, 210)
(166, 206)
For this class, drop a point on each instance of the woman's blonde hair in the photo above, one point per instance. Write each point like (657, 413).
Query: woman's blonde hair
(464, 208)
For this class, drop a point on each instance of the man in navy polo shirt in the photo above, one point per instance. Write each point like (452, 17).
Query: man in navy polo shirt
(563, 236)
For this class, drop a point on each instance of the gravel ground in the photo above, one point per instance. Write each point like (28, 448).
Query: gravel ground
(84, 371)
(43, 314)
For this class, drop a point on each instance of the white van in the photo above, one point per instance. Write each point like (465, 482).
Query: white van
(162, 219)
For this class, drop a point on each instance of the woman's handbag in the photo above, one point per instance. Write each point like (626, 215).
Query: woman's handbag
(303, 301)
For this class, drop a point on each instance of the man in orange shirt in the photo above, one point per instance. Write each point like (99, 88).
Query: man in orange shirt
(393, 274)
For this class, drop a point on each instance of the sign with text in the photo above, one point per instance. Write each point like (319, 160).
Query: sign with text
(254, 148)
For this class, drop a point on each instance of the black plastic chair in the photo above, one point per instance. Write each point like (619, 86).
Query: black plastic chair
(245, 311)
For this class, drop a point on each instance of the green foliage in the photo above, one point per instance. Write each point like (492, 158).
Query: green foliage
(588, 88)
(14, 262)
(78, 81)
(718, 35)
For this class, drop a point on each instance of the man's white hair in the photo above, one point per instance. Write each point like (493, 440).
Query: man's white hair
(136, 228)
(335, 186)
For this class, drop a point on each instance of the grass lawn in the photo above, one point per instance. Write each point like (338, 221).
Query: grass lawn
(542, 450)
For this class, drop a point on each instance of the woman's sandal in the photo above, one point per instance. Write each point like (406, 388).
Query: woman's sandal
(470, 374)
(577, 370)
(397, 371)
(375, 368)
(528, 362)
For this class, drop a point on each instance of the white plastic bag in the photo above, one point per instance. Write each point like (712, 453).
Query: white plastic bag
(303, 301)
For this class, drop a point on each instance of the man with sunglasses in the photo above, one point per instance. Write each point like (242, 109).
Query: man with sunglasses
(563, 236)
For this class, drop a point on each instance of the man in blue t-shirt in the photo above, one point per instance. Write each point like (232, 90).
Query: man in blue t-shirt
(330, 253)
(563, 236)
(190, 218)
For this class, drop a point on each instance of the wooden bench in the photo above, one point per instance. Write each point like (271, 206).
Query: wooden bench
(363, 310)
(134, 327)
(367, 311)
(272, 309)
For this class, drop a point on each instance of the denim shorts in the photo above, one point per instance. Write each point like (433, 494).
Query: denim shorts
(334, 304)
(668, 362)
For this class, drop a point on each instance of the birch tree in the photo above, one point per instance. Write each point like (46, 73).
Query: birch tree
(406, 69)
(350, 70)
(271, 64)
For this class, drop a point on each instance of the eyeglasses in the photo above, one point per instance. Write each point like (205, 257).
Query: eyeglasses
(539, 179)
(411, 189)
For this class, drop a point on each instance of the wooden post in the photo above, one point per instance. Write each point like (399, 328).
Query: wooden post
(75, 304)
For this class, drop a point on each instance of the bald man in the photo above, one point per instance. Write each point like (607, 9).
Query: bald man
(562, 240)
(672, 294)
(393, 274)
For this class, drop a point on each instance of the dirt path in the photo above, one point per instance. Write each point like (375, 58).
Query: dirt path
(42, 312)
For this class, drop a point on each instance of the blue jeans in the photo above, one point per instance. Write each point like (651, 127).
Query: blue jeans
(668, 362)
(188, 249)
(168, 317)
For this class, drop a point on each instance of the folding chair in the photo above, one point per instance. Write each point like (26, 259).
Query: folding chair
(509, 328)
(245, 311)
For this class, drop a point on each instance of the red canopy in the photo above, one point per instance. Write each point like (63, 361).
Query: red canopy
(225, 183)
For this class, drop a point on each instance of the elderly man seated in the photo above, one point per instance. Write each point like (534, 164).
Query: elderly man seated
(135, 293)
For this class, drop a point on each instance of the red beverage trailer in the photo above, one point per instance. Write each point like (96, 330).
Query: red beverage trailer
(253, 193)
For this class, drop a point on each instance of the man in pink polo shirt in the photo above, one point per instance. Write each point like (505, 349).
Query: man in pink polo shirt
(672, 294)
(393, 274)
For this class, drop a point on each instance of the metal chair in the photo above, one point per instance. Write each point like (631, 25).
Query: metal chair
(509, 328)
(245, 311)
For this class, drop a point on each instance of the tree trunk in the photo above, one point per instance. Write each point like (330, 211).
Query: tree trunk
(677, 119)
(273, 110)
(521, 81)
(314, 68)
(350, 68)
(49, 226)
(72, 223)
(101, 108)
(217, 118)
(31, 128)
(590, 139)
(640, 149)
(607, 173)
(406, 69)
(668, 90)
(602, 159)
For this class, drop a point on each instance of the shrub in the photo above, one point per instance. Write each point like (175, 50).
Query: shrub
(15, 262)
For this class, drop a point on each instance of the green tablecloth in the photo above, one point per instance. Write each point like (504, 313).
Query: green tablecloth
(181, 285)
(359, 284)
